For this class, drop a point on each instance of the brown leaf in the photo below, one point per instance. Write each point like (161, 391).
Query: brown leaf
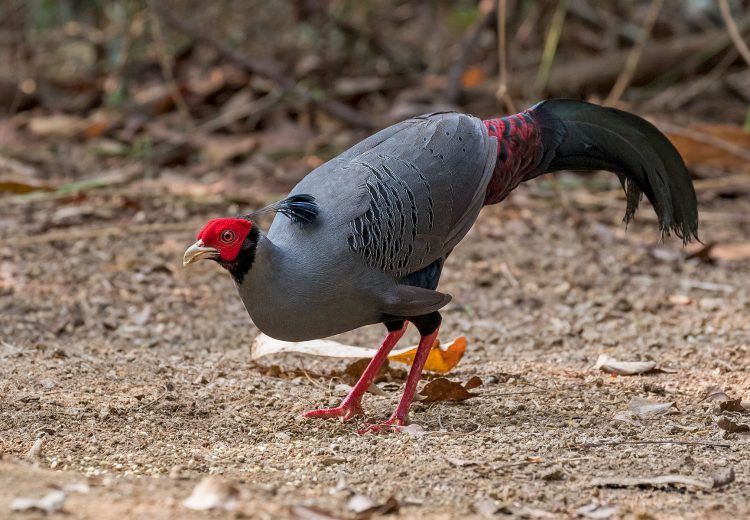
(473, 383)
(730, 252)
(442, 389)
(731, 426)
(473, 77)
(708, 144)
(643, 407)
(732, 405)
(611, 365)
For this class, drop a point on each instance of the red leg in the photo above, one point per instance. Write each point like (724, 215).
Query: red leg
(351, 405)
(400, 416)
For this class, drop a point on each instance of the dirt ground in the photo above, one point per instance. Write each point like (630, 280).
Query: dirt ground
(139, 373)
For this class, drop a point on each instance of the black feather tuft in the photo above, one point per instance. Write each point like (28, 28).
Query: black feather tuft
(300, 209)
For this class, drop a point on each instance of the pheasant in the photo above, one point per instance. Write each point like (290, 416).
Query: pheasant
(363, 238)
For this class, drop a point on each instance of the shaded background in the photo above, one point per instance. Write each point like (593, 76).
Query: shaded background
(276, 87)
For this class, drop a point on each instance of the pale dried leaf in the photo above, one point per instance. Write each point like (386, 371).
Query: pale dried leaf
(643, 407)
(412, 429)
(596, 511)
(52, 502)
(212, 493)
(360, 503)
(611, 365)
(309, 513)
(723, 477)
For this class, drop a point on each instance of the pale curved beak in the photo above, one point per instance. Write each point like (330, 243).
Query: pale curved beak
(198, 252)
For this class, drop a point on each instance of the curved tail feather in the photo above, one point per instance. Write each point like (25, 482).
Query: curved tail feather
(562, 134)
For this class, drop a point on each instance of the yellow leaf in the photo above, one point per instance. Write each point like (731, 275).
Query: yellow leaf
(438, 360)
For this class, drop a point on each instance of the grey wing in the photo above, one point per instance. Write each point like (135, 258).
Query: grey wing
(422, 191)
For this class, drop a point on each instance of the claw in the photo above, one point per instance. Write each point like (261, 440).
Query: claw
(392, 425)
(345, 411)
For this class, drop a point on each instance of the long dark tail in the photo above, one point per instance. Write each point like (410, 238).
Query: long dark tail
(562, 134)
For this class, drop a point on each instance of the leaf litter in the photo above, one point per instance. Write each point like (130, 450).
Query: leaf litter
(440, 360)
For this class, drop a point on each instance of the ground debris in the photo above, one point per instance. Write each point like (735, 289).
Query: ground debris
(212, 493)
(52, 502)
(658, 481)
(611, 365)
(643, 407)
(442, 389)
(596, 511)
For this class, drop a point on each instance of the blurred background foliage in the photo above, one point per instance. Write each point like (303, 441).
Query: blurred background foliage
(286, 84)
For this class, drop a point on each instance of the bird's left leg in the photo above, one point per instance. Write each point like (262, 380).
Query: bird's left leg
(351, 405)
(428, 326)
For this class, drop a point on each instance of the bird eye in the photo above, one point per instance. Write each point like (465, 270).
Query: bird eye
(227, 236)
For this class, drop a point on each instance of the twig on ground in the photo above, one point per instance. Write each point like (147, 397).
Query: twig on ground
(679, 442)
(269, 70)
(502, 57)
(166, 63)
(734, 31)
(550, 47)
(468, 43)
(624, 79)
(538, 461)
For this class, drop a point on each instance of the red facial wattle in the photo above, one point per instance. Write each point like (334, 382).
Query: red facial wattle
(226, 235)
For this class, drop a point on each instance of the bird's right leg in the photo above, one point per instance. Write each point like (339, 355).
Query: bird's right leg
(351, 405)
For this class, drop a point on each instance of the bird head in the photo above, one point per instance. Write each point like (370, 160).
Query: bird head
(229, 241)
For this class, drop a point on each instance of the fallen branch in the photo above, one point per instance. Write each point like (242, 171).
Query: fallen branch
(266, 69)
(624, 79)
(678, 442)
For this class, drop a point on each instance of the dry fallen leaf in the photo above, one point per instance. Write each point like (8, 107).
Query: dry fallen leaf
(439, 360)
(310, 513)
(731, 426)
(596, 511)
(442, 389)
(643, 407)
(472, 383)
(212, 493)
(52, 502)
(730, 252)
(364, 506)
(412, 429)
(732, 405)
(611, 365)
(723, 477)
(360, 503)
(699, 145)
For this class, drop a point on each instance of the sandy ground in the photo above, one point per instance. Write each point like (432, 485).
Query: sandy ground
(138, 372)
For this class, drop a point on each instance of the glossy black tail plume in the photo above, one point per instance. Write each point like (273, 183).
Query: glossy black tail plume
(576, 135)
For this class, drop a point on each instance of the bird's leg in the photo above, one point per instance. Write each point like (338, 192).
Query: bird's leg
(351, 405)
(428, 326)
